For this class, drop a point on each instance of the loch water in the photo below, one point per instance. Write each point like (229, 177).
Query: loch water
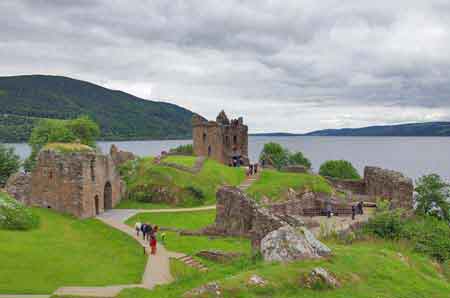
(414, 156)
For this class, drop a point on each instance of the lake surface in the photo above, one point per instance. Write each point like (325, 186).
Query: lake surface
(414, 156)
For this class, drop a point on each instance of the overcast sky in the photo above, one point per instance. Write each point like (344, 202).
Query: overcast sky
(290, 66)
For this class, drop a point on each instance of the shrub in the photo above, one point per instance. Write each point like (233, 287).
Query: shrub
(276, 155)
(299, 159)
(47, 131)
(9, 163)
(433, 197)
(385, 224)
(427, 234)
(183, 150)
(342, 169)
(15, 216)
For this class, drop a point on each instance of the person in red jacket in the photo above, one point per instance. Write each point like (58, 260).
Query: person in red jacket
(153, 244)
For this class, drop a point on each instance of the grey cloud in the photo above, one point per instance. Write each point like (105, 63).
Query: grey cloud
(319, 58)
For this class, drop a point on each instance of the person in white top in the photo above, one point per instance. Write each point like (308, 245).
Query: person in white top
(137, 226)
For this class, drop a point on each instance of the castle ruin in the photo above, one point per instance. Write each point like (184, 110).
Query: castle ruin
(83, 184)
(222, 140)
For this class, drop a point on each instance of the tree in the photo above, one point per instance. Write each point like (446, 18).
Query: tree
(342, 169)
(9, 163)
(433, 197)
(81, 129)
(299, 159)
(275, 154)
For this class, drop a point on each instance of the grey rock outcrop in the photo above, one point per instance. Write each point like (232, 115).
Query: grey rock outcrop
(320, 275)
(288, 244)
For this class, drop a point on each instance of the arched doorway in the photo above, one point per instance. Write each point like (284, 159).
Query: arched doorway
(97, 205)
(107, 197)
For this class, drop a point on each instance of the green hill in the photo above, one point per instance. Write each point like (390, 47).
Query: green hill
(26, 99)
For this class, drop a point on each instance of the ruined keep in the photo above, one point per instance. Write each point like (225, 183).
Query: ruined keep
(222, 139)
(83, 184)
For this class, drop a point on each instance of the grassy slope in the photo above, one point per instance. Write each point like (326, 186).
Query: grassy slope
(192, 221)
(274, 184)
(182, 220)
(64, 251)
(212, 176)
(187, 161)
(371, 269)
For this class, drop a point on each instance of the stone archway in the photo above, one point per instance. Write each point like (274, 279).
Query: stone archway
(107, 196)
(97, 205)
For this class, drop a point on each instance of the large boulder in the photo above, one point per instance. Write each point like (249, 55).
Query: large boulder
(288, 244)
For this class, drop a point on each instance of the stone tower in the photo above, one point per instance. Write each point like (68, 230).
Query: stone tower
(222, 139)
(83, 184)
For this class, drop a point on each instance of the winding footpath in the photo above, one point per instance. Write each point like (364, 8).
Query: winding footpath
(157, 269)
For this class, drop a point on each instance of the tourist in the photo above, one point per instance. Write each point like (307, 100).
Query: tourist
(361, 207)
(153, 244)
(137, 226)
(250, 169)
(353, 212)
(143, 230)
(329, 210)
(148, 231)
(163, 238)
(255, 168)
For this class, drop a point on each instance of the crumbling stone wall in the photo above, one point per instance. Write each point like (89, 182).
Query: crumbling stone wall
(380, 183)
(238, 215)
(18, 186)
(120, 157)
(221, 139)
(389, 184)
(83, 184)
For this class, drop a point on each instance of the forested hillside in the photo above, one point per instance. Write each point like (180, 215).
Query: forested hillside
(437, 129)
(26, 99)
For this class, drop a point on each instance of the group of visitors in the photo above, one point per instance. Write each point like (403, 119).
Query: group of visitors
(252, 169)
(148, 233)
(236, 162)
(356, 209)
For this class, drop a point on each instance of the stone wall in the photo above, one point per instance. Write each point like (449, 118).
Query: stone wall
(355, 186)
(221, 139)
(380, 183)
(120, 157)
(83, 184)
(389, 184)
(238, 215)
(18, 186)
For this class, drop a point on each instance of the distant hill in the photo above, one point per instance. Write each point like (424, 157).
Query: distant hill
(26, 99)
(275, 134)
(438, 129)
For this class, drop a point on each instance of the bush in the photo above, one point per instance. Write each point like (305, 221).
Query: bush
(81, 129)
(183, 150)
(427, 234)
(299, 159)
(279, 157)
(433, 197)
(385, 224)
(339, 169)
(9, 163)
(15, 216)
(197, 195)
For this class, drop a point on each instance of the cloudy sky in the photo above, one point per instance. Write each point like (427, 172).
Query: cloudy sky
(294, 66)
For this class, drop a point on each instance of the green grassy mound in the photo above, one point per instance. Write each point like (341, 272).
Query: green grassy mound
(65, 251)
(68, 147)
(274, 184)
(145, 181)
(368, 269)
(187, 161)
(191, 221)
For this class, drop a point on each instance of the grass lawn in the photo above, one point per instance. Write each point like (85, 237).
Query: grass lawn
(65, 251)
(191, 221)
(132, 204)
(369, 269)
(274, 184)
(183, 220)
(142, 180)
(187, 161)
